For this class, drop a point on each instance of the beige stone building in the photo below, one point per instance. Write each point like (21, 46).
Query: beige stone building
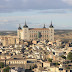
(9, 40)
(44, 33)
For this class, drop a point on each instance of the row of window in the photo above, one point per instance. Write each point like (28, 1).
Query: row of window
(40, 39)
(18, 62)
(36, 35)
(38, 31)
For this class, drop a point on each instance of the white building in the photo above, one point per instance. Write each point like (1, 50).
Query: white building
(44, 33)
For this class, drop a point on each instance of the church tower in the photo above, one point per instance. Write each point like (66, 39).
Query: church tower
(51, 32)
(25, 32)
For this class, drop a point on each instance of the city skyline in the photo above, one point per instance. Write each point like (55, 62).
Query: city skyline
(36, 13)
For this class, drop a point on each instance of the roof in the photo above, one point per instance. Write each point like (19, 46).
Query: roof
(38, 29)
(44, 26)
(19, 28)
(51, 26)
(25, 26)
(16, 59)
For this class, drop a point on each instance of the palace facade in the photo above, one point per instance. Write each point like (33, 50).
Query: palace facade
(44, 33)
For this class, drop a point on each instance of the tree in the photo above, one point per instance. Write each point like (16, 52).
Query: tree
(22, 50)
(64, 57)
(50, 60)
(56, 64)
(69, 56)
(35, 66)
(68, 67)
(6, 69)
(1, 64)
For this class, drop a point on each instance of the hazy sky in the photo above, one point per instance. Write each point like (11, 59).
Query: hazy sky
(36, 13)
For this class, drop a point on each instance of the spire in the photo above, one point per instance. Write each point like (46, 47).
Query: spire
(25, 22)
(51, 26)
(25, 26)
(19, 28)
(19, 25)
(51, 22)
(44, 26)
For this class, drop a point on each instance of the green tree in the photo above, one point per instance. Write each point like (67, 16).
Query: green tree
(35, 66)
(6, 69)
(56, 64)
(69, 56)
(50, 60)
(67, 67)
(64, 57)
(1, 64)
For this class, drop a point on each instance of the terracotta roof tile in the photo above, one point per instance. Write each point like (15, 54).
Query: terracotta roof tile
(38, 29)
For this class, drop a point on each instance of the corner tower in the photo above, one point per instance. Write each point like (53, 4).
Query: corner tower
(19, 31)
(51, 32)
(25, 32)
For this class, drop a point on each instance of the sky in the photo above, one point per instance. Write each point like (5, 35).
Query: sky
(36, 13)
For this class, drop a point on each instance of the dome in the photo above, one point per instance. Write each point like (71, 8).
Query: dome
(19, 28)
(25, 26)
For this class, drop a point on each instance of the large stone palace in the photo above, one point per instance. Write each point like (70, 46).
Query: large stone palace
(44, 33)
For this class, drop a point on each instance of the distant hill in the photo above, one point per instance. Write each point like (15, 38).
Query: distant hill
(8, 32)
(63, 34)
